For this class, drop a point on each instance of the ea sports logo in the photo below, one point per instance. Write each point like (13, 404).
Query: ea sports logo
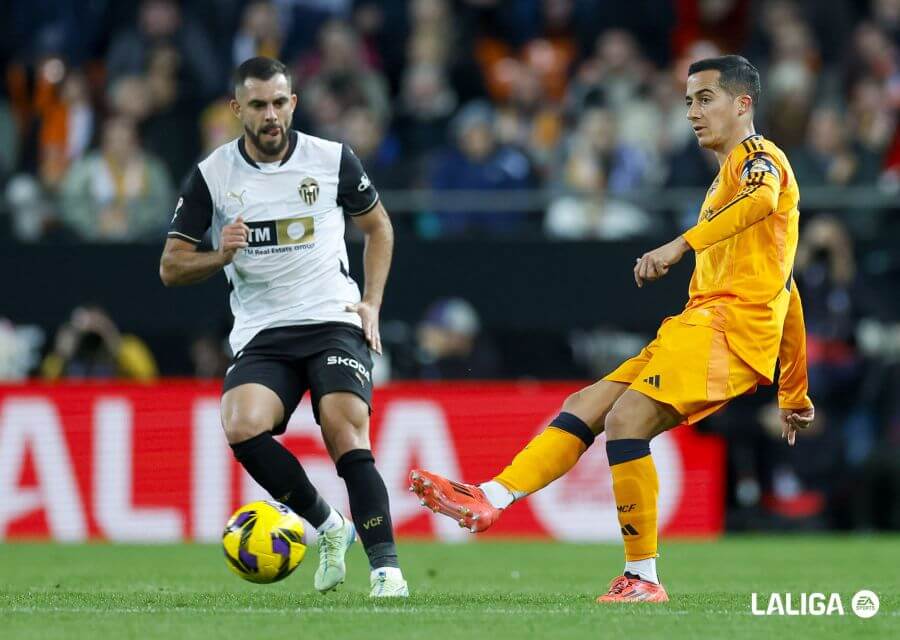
(581, 505)
(865, 603)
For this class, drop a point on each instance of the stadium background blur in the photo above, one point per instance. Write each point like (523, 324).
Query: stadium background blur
(527, 152)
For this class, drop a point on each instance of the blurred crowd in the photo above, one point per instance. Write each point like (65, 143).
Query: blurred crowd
(561, 119)
(105, 105)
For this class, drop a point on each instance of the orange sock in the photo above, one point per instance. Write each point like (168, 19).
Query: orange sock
(548, 456)
(636, 488)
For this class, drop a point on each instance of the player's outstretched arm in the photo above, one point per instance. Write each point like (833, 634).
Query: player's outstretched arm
(653, 265)
(797, 411)
(182, 264)
(379, 249)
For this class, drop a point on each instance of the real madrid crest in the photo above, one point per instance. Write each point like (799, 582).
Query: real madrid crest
(309, 191)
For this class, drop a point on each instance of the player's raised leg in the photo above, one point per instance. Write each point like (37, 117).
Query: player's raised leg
(633, 421)
(548, 456)
(249, 413)
(345, 426)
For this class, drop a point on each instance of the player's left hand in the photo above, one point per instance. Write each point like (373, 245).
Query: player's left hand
(369, 315)
(655, 264)
(792, 420)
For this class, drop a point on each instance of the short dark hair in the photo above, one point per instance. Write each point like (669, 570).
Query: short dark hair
(261, 68)
(736, 75)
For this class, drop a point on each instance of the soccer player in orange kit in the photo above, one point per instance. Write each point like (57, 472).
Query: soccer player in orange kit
(743, 315)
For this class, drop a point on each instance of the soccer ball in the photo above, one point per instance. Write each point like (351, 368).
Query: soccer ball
(263, 542)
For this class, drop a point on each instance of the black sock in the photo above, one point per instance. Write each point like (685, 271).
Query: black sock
(277, 471)
(369, 506)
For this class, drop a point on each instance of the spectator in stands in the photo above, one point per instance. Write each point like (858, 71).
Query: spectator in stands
(586, 211)
(341, 69)
(90, 345)
(161, 24)
(626, 167)
(378, 151)
(210, 355)
(450, 345)
(424, 111)
(119, 192)
(829, 157)
(478, 163)
(259, 34)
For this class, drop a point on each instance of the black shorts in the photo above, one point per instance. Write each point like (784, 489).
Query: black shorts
(323, 358)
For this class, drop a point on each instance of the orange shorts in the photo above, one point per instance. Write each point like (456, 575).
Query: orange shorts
(689, 367)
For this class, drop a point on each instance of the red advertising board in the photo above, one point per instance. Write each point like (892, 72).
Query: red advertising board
(137, 462)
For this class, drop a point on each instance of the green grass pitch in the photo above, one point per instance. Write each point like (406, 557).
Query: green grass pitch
(491, 590)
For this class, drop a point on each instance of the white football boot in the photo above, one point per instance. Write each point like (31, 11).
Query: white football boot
(388, 582)
(333, 546)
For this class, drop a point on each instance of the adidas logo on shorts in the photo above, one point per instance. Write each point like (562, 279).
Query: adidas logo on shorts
(653, 381)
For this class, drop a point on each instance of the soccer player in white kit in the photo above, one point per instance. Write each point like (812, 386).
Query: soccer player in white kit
(275, 200)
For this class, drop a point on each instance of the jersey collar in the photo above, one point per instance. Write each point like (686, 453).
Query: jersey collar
(292, 144)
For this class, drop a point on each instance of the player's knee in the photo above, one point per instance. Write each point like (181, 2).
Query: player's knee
(241, 426)
(621, 422)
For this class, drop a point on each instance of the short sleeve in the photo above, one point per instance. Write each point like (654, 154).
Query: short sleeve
(356, 193)
(193, 211)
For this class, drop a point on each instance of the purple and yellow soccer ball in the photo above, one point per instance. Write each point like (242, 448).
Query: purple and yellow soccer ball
(264, 542)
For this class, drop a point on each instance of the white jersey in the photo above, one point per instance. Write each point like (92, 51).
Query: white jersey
(295, 270)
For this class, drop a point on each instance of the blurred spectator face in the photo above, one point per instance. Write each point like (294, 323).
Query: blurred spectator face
(527, 90)
(876, 50)
(429, 13)
(338, 44)
(426, 93)
(826, 133)
(557, 13)
(261, 20)
(159, 18)
(362, 131)
(75, 89)
(826, 247)
(598, 128)
(887, 12)
(119, 140)
(426, 47)
(713, 11)
(616, 49)
(265, 109)
(162, 71)
(448, 329)
(477, 140)
(130, 97)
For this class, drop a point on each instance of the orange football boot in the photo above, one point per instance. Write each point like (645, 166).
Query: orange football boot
(465, 503)
(629, 588)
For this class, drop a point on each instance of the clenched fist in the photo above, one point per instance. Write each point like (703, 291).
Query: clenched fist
(234, 236)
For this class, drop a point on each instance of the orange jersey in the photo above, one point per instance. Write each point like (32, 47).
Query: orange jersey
(745, 241)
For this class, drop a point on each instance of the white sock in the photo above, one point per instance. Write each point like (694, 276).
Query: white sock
(497, 494)
(644, 569)
(390, 572)
(333, 521)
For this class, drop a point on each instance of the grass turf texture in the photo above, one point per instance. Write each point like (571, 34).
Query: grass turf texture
(492, 590)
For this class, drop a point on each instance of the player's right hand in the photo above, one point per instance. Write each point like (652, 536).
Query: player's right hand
(234, 236)
(792, 420)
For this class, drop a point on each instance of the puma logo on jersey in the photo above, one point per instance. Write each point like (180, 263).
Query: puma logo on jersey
(237, 196)
(364, 183)
(343, 361)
